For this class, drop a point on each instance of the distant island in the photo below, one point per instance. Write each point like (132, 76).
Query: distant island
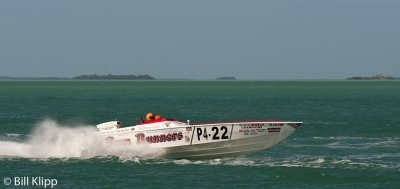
(377, 77)
(114, 77)
(226, 78)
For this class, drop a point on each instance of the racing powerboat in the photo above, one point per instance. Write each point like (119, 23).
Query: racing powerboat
(190, 140)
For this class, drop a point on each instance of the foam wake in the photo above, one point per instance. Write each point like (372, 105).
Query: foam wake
(51, 140)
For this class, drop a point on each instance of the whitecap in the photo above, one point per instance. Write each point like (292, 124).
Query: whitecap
(13, 135)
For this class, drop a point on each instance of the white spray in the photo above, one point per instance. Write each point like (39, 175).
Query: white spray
(50, 140)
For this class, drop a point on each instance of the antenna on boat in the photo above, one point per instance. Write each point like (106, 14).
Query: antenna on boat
(188, 122)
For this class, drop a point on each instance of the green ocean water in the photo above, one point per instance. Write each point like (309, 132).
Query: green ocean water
(350, 137)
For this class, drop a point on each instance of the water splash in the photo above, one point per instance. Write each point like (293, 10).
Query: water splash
(51, 140)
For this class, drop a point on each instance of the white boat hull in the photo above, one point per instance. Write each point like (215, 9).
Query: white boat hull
(181, 140)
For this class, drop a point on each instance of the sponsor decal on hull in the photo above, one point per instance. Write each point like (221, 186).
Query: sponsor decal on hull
(252, 129)
(274, 130)
(251, 125)
(276, 124)
(170, 137)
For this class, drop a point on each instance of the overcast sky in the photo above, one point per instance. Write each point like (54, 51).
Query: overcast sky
(202, 39)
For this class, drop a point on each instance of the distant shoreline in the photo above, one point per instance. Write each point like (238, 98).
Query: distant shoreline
(114, 77)
(85, 77)
(34, 78)
(150, 78)
(377, 77)
(106, 77)
(226, 78)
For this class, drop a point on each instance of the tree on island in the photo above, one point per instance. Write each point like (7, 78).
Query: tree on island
(115, 77)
